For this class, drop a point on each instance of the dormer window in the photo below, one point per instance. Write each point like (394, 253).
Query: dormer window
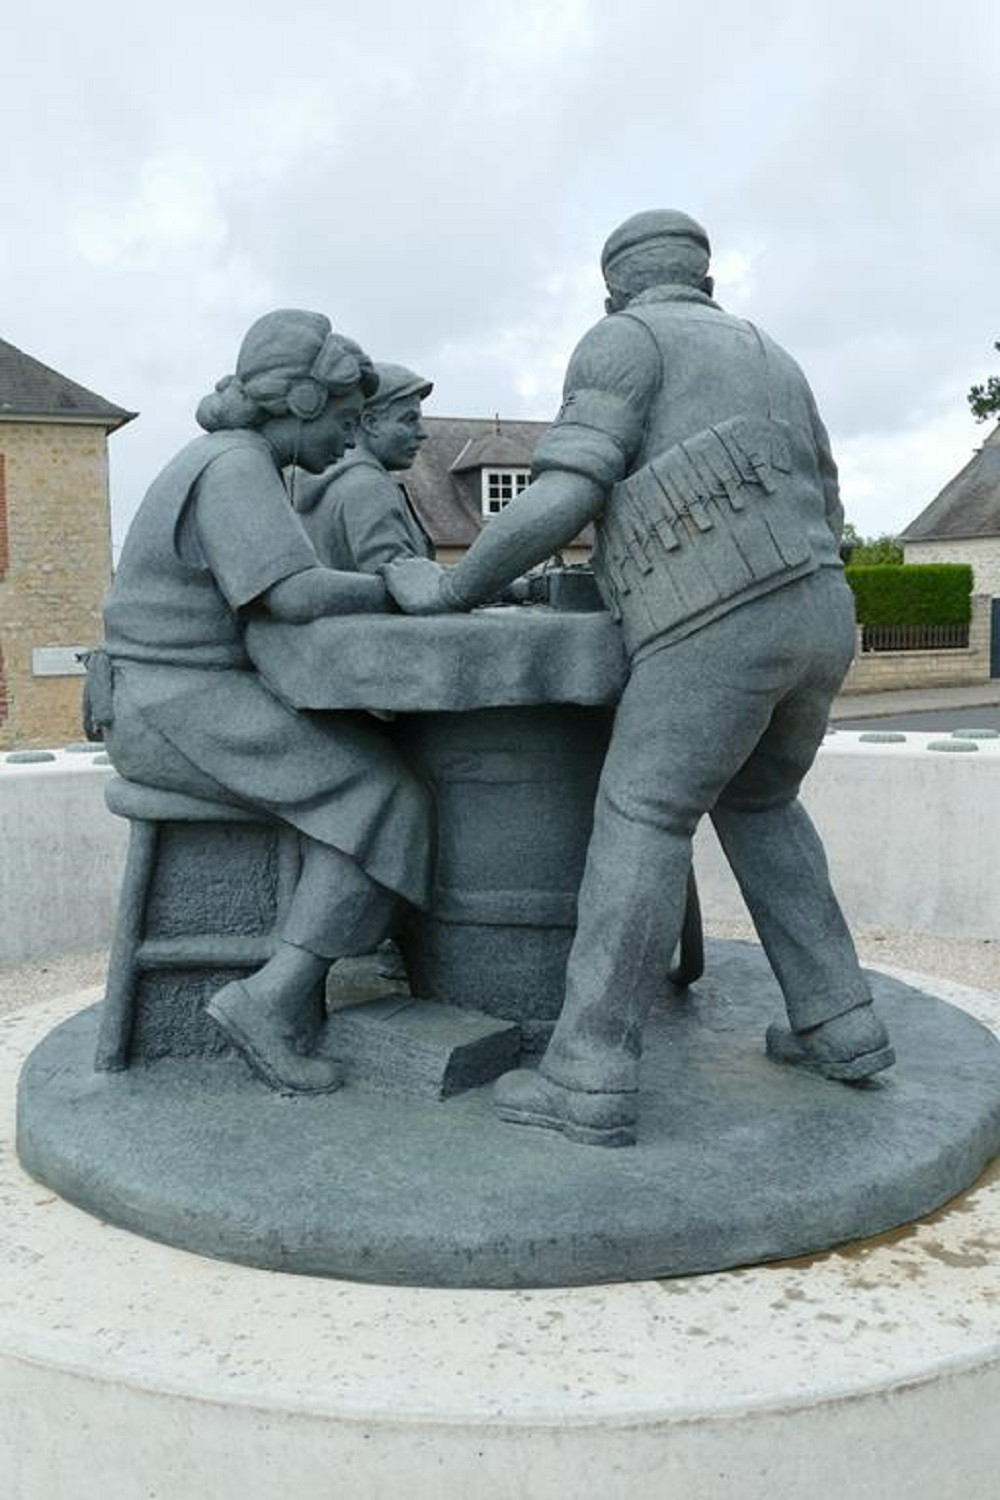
(500, 486)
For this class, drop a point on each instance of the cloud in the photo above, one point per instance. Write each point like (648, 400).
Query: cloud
(440, 178)
(889, 478)
(175, 209)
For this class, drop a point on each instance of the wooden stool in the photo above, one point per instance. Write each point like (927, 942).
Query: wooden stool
(206, 887)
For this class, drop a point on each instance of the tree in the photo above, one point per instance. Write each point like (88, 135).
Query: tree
(985, 399)
(865, 552)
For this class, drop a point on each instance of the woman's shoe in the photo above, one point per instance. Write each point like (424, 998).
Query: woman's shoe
(260, 1031)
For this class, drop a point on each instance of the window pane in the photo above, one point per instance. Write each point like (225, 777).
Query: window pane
(500, 486)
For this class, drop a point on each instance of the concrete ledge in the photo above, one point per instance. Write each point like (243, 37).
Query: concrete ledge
(61, 856)
(903, 827)
(133, 1370)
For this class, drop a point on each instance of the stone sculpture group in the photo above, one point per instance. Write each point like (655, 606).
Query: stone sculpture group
(692, 443)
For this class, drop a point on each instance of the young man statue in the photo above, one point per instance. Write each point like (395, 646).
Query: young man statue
(357, 514)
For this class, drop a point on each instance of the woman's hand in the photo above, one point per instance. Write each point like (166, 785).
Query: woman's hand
(319, 591)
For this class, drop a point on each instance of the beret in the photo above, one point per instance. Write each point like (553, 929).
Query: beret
(653, 224)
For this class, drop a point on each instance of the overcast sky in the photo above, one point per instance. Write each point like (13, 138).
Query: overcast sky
(439, 177)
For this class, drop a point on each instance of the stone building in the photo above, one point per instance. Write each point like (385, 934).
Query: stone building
(466, 472)
(962, 523)
(55, 544)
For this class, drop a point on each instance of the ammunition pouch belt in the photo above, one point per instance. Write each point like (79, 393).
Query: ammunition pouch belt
(700, 528)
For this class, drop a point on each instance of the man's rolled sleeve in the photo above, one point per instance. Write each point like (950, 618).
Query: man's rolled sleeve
(612, 377)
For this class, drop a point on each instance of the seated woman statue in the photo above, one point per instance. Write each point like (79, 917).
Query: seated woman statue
(215, 540)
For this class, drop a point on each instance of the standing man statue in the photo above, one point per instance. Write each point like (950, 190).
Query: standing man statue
(693, 443)
(357, 514)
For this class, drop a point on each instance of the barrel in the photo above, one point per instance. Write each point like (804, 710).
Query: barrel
(514, 790)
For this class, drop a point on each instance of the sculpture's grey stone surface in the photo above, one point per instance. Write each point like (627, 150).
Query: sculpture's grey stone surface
(493, 658)
(514, 791)
(692, 442)
(206, 888)
(739, 1159)
(513, 788)
(357, 515)
(183, 709)
(419, 1049)
(215, 565)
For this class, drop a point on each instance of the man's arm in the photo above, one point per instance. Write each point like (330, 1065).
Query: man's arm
(611, 378)
(543, 519)
(827, 473)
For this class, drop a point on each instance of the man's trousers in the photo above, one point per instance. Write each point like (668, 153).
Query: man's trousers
(726, 721)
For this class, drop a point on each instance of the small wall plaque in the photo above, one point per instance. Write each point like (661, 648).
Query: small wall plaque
(58, 661)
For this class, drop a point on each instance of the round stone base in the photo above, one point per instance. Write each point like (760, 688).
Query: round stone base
(134, 1370)
(739, 1160)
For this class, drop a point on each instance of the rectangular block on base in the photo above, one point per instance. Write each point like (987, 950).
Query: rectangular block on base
(420, 1049)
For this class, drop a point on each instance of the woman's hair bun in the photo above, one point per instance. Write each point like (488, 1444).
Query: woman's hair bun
(228, 407)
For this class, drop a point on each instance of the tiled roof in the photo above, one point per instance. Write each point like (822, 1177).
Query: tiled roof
(969, 504)
(495, 451)
(30, 389)
(444, 487)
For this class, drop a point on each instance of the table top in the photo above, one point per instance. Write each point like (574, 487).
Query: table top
(492, 658)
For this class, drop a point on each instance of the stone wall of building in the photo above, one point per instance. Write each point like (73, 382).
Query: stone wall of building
(55, 568)
(983, 552)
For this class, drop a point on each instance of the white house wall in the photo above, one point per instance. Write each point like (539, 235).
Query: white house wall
(983, 552)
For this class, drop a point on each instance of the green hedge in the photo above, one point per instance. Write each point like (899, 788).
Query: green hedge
(915, 594)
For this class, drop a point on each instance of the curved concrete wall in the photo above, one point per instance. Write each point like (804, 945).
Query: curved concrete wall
(61, 857)
(910, 832)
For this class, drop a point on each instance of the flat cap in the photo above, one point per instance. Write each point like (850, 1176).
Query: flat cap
(653, 224)
(395, 382)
